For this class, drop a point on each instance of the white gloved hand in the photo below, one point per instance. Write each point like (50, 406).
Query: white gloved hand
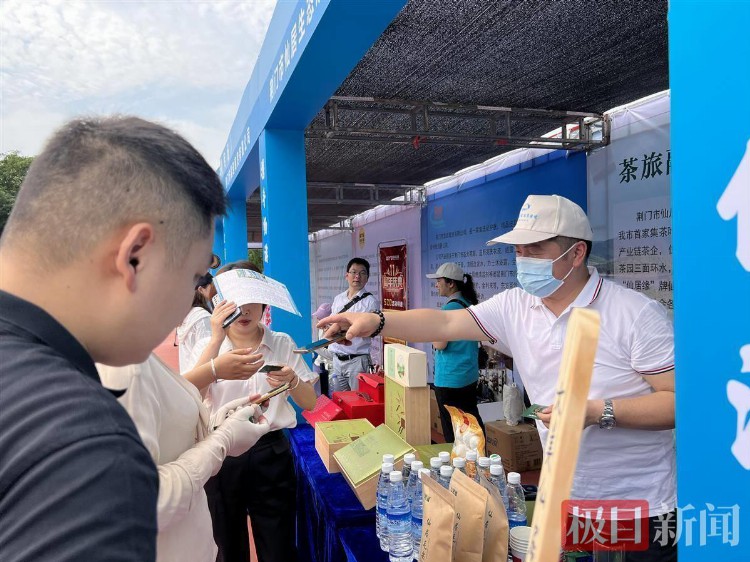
(240, 431)
(221, 414)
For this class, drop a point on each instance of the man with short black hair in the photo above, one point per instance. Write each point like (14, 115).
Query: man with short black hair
(111, 229)
(350, 360)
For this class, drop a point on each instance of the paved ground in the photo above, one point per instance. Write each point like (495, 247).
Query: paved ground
(167, 351)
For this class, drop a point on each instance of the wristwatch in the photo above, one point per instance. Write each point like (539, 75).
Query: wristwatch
(607, 421)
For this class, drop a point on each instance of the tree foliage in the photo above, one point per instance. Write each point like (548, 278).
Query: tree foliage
(13, 168)
(255, 256)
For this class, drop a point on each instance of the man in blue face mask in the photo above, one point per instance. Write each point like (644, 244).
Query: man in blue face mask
(627, 446)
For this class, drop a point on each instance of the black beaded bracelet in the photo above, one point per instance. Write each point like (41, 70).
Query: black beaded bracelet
(382, 323)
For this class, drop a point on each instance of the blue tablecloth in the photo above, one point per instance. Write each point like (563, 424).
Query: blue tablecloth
(326, 506)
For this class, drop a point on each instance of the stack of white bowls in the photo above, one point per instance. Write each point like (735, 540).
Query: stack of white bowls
(519, 542)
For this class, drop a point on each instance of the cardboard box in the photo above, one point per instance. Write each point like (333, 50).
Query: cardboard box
(519, 445)
(357, 405)
(435, 423)
(331, 436)
(491, 411)
(406, 365)
(361, 460)
(325, 410)
(373, 385)
(407, 412)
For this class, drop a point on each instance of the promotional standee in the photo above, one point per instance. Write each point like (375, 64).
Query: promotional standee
(711, 219)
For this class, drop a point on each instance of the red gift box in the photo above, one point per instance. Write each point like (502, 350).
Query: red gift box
(325, 410)
(373, 385)
(359, 405)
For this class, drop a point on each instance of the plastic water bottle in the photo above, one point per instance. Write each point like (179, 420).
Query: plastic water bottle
(459, 463)
(417, 511)
(389, 458)
(445, 457)
(497, 477)
(516, 501)
(381, 517)
(399, 520)
(411, 484)
(484, 467)
(471, 464)
(406, 470)
(445, 476)
(435, 464)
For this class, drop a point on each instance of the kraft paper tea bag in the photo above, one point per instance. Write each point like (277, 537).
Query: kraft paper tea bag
(438, 523)
(495, 524)
(471, 505)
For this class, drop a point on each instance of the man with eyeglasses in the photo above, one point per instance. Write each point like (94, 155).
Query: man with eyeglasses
(350, 360)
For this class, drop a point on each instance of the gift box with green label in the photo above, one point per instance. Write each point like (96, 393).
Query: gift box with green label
(360, 461)
(332, 436)
(405, 365)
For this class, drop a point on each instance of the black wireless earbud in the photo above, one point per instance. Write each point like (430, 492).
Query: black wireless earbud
(134, 262)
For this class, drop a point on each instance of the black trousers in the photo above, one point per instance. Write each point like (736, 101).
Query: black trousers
(464, 398)
(260, 483)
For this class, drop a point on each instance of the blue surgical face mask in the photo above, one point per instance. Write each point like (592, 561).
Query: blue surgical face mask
(535, 275)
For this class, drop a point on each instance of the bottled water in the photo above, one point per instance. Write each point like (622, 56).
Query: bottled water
(495, 459)
(484, 467)
(408, 459)
(445, 476)
(459, 463)
(471, 464)
(411, 484)
(399, 520)
(416, 512)
(389, 459)
(381, 517)
(516, 501)
(445, 457)
(435, 464)
(497, 477)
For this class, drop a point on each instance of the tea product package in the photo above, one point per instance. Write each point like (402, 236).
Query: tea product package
(495, 524)
(470, 501)
(438, 523)
(468, 434)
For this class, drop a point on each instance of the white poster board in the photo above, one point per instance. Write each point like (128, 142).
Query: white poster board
(629, 200)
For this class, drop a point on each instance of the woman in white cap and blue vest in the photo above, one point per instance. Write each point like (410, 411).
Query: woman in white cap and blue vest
(456, 362)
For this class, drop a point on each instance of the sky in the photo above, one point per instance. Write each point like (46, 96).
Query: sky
(183, 63)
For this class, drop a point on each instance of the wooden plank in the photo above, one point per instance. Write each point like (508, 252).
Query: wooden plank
(564, 437)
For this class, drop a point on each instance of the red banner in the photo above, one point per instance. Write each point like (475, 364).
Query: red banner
(393, 281)
(393, 277)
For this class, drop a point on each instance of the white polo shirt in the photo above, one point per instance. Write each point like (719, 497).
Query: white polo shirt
(359, 346)
(276, 348)
(636, 340)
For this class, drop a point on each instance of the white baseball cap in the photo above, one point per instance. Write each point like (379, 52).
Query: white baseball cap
(545, 216)
(448, 270)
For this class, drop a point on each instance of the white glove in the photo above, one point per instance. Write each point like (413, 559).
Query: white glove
(240, 431)
(221, 414)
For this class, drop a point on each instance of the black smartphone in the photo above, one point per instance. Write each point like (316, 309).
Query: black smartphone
(232, 317)
(268, 368)
(320, 343)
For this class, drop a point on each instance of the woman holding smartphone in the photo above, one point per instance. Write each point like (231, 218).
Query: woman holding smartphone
(261, 483)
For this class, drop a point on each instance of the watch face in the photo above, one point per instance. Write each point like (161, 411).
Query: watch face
(607, 422)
